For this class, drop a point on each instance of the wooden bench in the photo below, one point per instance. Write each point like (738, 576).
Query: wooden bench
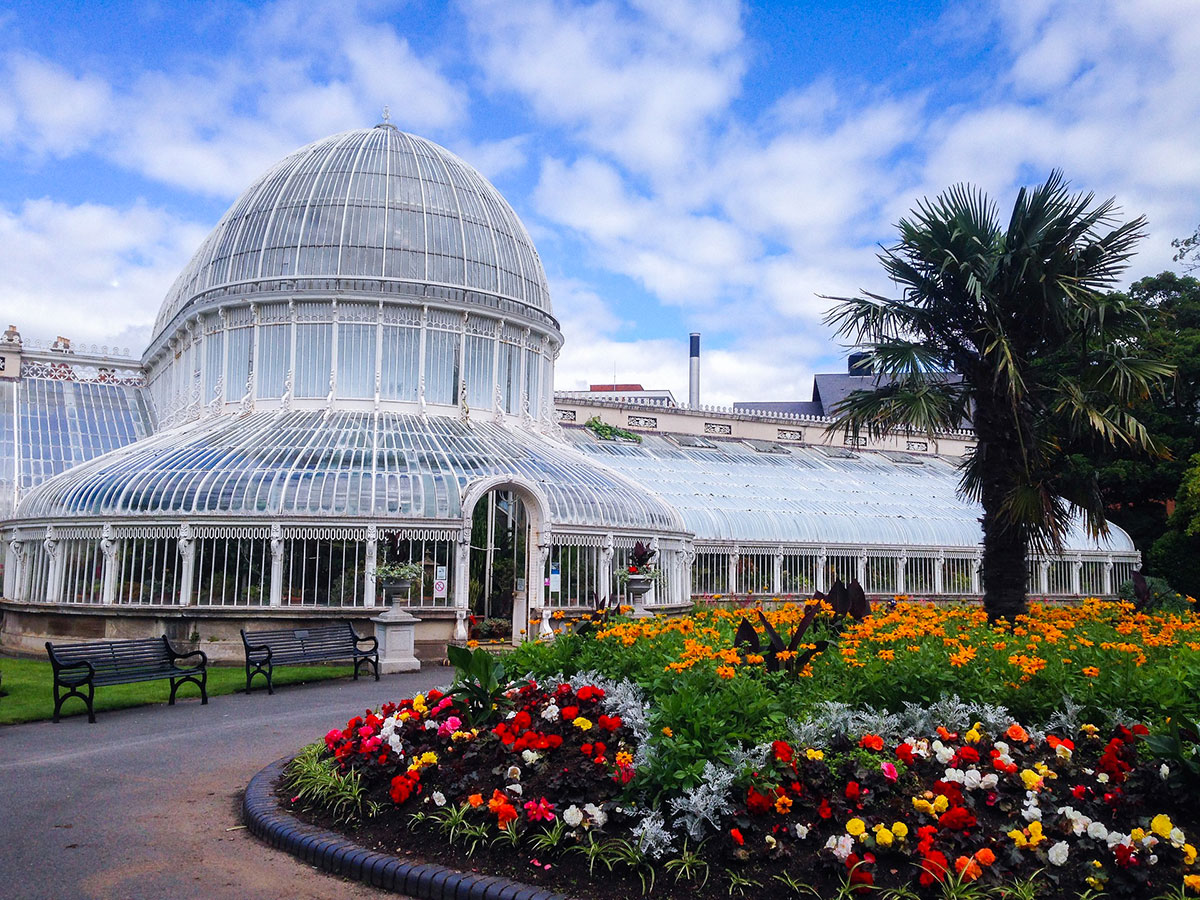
(292, 646)
(121, 662)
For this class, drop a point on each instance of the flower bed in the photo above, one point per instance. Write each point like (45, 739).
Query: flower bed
(692, 781)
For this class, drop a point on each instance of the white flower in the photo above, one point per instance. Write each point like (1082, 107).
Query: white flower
(1002, 747)
(550, 713)
(514, 773)
(1098, 831)
(1062, 751)
(989, 781)
(841, 846)
(1164, 771)
(972, 779)
(1115, 837)
(953, 775)
(1058, 853)
(1102, 778)
(439, 799)
(1176, 837)
(801, 832)
(596, 814)
(1032, 814)
(943, 753)
(530, 756)
(515, 789)
(572, 815)
(431, 725)
(1153, 859)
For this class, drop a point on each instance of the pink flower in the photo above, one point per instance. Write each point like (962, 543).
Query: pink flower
(333, 737)
(448, 727)
(540, 810)
(366, 731)
(889, 771)
(371, 744)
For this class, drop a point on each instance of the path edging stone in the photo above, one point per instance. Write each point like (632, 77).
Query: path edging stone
(334, 853)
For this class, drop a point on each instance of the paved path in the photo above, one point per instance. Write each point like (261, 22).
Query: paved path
(146, 802)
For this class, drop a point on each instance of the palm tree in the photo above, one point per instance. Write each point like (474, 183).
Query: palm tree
(1012, 329)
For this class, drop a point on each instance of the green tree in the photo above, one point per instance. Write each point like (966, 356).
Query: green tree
(1014, 328)
(1137, 488)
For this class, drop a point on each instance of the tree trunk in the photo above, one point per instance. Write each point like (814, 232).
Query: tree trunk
(1005, 546)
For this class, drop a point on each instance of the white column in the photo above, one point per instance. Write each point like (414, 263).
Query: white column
(108, 577)
(1044, 576)
(13, 567)
(187, 564)
(1077, 576)
(822, 559)
(462, 583)
(976, 572)
(54, 579)
(1108, 573)
(862, 568)
(777, 572)
(460, 389)
(369, 567)
(604, 572)
(901, 573)
(939, 573)
(276, 546)
(733, 561)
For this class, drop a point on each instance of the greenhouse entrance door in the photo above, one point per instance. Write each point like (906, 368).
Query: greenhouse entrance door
(499, 588)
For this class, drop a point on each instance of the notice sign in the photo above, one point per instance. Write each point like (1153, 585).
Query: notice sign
(439, 583)
(555, 579)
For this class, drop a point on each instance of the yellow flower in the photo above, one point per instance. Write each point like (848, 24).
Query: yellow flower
(940, 804)
(1018, 837)
(582, 724)
(883, 837)
(855, 827)
(667, 732)
(1031, 778)
(923, 806)
(1161, 825)
(816, 755)
(624, 758)
(1189, 855)
(1192, 883)
(900, 830)
(1138, 835)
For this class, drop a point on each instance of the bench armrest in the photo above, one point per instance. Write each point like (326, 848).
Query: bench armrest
(374, 641)
(86, 671)
(203, 657)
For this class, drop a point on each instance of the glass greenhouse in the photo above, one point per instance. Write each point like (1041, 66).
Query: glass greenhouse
(357, 368)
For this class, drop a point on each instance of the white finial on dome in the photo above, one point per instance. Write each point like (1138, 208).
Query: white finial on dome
(387, 115)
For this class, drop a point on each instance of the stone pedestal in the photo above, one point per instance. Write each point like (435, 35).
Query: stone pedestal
(396, 632)
(638, 587)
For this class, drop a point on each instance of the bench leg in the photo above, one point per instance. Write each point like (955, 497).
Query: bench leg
(89, 699)
(200, 682)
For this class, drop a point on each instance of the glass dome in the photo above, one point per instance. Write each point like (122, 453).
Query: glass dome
(376, 204)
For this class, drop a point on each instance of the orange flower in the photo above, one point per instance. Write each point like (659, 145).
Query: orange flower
(476, 800)
(985, 857)
(1091, 671)
(726, 671)
(1017, 733)
(967, 868)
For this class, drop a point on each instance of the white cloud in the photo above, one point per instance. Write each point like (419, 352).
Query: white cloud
(90, 272)
(639, 83)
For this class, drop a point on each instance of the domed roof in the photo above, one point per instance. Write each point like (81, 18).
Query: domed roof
(375, 203)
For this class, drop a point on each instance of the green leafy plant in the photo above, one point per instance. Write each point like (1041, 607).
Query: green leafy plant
(408, 571)
(479, 681)
(317, 781)
(1179, 748)
(549, 839)
(594, 851)
(739, 883)
(608, 432)
(689, 865)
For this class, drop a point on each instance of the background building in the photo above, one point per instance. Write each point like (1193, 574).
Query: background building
(357, 367)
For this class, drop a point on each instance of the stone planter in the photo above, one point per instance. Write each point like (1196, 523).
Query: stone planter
(395, 591)
(637, 587)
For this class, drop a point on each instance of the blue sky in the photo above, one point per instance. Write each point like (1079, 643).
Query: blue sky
(682, 166)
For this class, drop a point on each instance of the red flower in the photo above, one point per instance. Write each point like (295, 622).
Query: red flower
(933, 867)
(957, 818)
(871, 742)
(570, 713)
(824, 810)
(782, 751)
(904, 753)
(968, 754)
(589, 692)
(633, 570)
(852, 790)
(757, 803)
(1078, 791)
(522, 720)
(737, 836)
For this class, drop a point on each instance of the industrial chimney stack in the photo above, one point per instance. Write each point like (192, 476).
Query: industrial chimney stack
(694, 374)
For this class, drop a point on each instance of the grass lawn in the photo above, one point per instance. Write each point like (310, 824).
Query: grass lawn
(28, 688)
